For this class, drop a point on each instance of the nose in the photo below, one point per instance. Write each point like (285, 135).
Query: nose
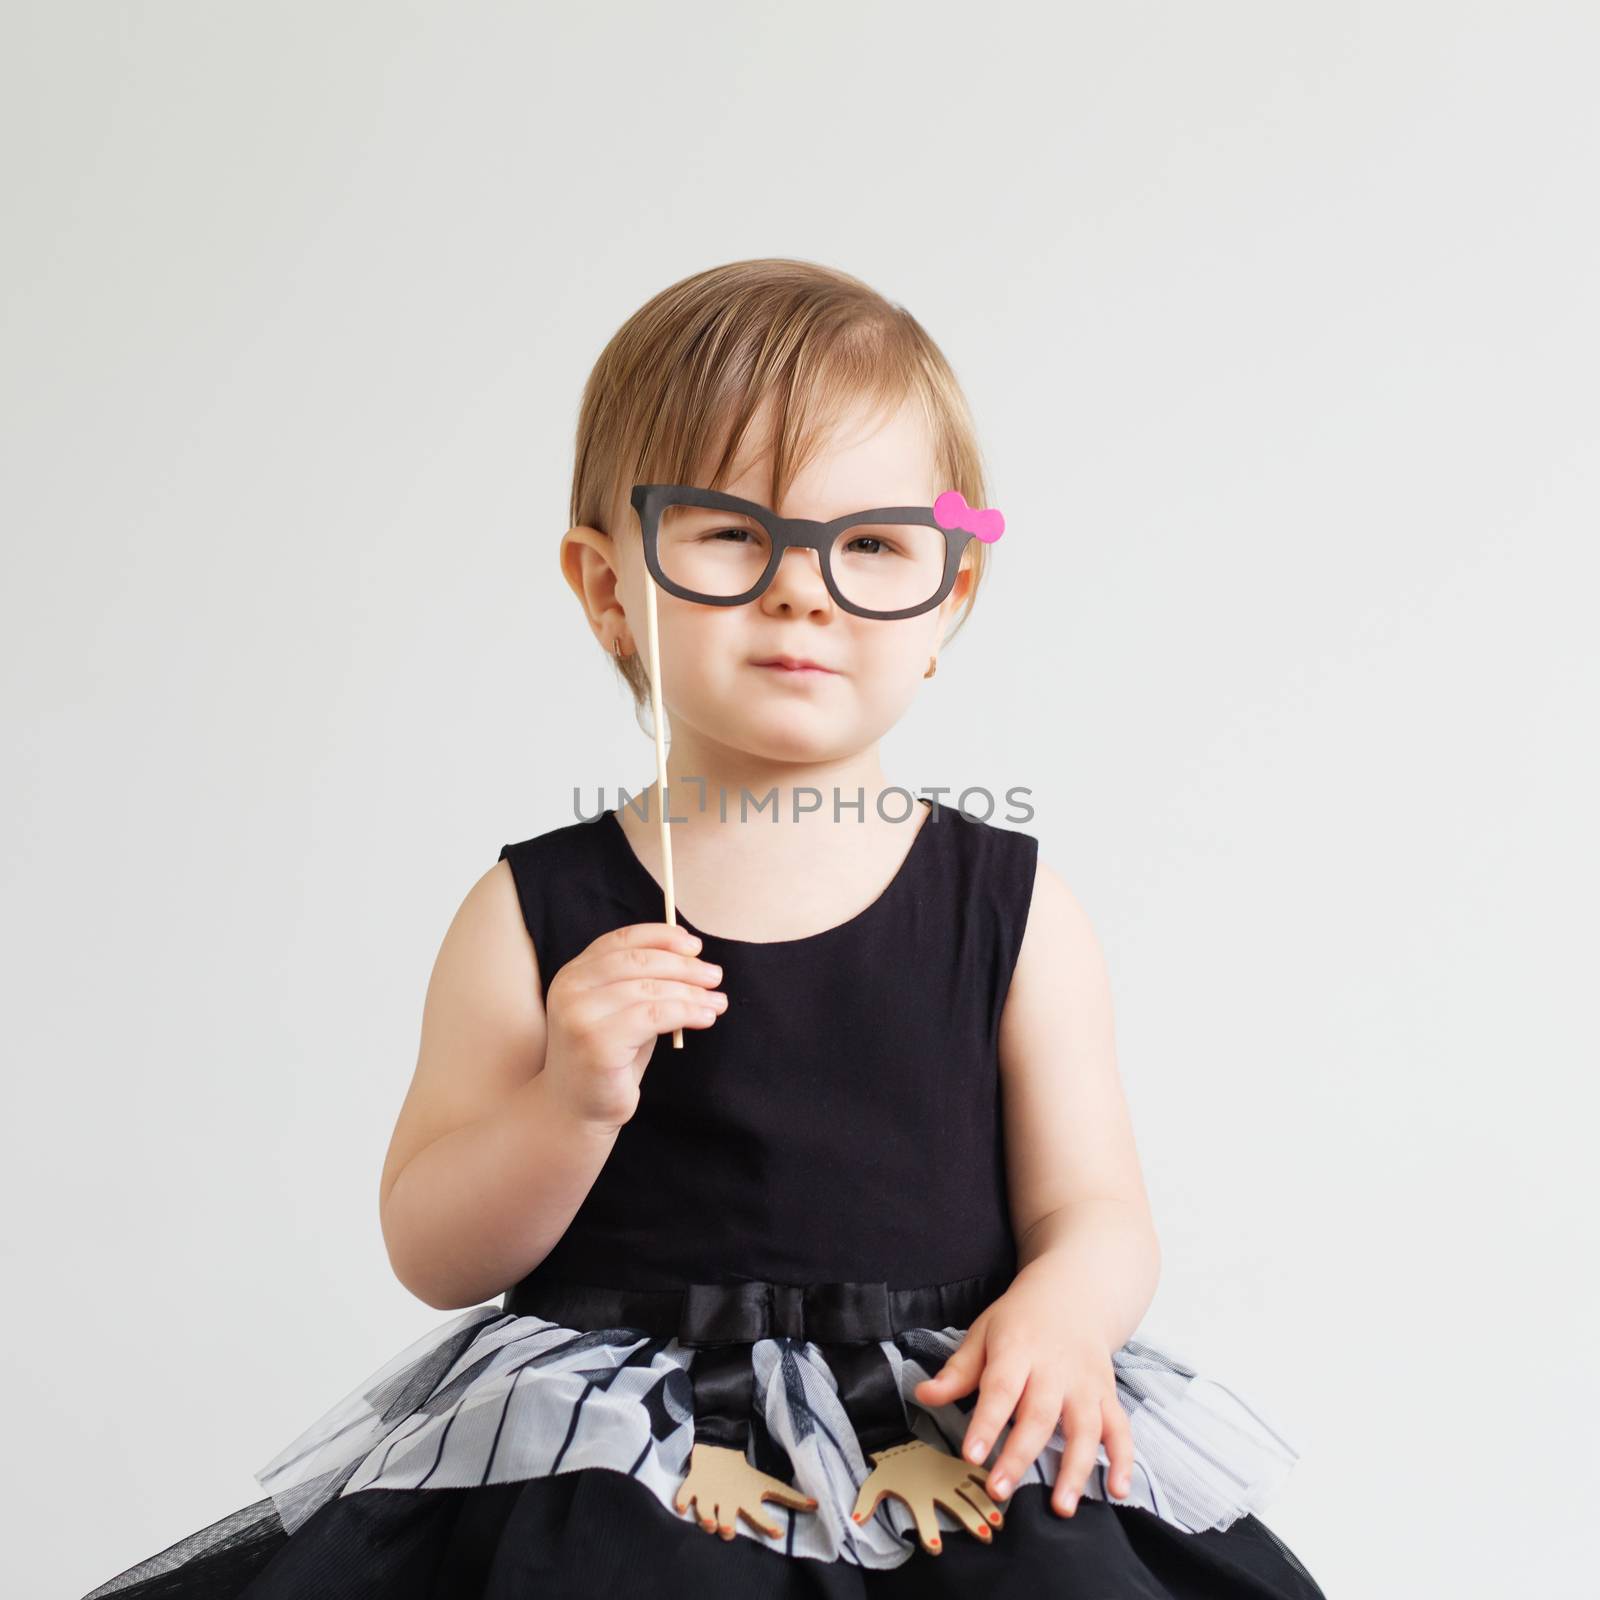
(798, 581)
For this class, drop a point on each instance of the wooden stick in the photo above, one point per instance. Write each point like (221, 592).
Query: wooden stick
(661, 763)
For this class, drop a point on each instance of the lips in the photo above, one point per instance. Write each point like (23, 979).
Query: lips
(793, 664)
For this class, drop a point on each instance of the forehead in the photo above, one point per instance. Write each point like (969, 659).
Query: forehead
(869, 457)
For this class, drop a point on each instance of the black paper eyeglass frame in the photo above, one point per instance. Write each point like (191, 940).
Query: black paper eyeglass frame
(789, 533)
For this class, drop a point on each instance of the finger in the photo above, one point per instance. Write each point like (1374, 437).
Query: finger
(706, 1522)
(617, 999)
(757, 1519)
(965, 1510)
(786, 1494)
(615, 965)
(656, 1016)
(618, 1034)
(927, 1522)
(867, 1501)
(726, 1517)
(660, 935)
(609, 1013)
(1081, 1423)
(1037, 1414)
(1118, 1436)
(958, 1376)
(1002, 1382)
(972, 1487)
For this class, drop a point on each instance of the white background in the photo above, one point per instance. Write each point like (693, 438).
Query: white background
(1280, 327)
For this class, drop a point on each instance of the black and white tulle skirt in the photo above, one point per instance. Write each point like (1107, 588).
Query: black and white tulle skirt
(505, 1454)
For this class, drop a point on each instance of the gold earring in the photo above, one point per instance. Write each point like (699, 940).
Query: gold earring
(933, 666)
(616, 646)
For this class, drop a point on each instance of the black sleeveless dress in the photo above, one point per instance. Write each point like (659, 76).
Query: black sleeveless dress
(796, 1227)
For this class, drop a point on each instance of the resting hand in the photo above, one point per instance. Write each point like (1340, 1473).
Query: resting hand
(919, 1475)
(723, 1485)
(1022, 1349)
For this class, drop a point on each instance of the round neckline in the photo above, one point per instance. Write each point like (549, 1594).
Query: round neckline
(646, 877)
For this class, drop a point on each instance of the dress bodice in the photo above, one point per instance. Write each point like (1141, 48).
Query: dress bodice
(841, 1119)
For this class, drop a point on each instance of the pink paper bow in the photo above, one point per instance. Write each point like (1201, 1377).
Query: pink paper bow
(951, 510)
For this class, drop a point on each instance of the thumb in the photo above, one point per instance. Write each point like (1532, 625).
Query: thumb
(959, 1375)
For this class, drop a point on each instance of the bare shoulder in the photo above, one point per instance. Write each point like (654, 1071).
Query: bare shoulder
(1069, 1134)
(483, 1021)
(1059, 943)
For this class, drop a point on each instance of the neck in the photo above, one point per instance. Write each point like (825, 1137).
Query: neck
(708, 783)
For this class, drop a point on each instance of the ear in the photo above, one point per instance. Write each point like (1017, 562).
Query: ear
(959, 591)
(591, 564)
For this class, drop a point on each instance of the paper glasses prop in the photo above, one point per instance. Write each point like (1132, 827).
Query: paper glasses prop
(718, 550)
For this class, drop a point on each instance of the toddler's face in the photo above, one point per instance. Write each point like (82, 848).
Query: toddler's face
(719, 699)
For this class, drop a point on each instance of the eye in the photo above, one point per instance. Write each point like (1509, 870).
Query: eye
(880, 545)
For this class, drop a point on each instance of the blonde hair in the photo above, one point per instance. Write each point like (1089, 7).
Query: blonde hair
(693, 366)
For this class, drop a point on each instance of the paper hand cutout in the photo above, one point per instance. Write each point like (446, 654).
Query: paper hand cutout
(919, 1475)
(723, 1485)
(951, 510)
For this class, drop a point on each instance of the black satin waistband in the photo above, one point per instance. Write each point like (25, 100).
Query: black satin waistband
(753, 1308)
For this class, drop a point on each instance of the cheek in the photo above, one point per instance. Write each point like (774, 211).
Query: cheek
(888, 680)
(704, 650)
(897, 654)
(695, 633)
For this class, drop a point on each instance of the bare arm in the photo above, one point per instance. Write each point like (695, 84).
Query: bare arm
(1079, 1207)
(486, 1168)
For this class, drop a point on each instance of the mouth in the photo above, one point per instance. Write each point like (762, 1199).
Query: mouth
(798, 665)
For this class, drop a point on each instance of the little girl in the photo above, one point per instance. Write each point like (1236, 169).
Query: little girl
(849, 1279)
